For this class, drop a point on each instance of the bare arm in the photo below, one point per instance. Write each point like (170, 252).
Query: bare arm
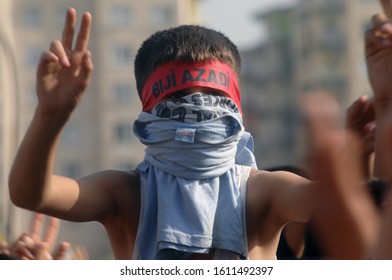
(285, 196)
(273, 200)
(378, 46)
(292, 197)
(379, 57)
(383, 248)
(63, 74)
(345, 218)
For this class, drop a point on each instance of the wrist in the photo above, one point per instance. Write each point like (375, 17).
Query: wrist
(51, 121)
(382, 105)
(53, 114)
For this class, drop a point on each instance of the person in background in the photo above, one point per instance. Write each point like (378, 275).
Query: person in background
(353, 217)
(39, 243)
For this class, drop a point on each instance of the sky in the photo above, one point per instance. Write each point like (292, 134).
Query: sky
(235, 18)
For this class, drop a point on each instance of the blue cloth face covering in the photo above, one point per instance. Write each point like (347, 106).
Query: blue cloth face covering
(190, 200)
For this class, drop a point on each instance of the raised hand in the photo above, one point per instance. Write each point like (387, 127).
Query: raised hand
(379, 53)
(64, 71)
(384, 244)
(38, 243)
(346, 220)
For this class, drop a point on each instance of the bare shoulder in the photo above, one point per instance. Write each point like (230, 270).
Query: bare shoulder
(113, 179)
(123, 187)
(273, 199)
(280, 192)
(126, 187)
(269, 182)
(275, 178)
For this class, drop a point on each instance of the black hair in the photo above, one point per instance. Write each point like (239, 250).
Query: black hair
(188, 43)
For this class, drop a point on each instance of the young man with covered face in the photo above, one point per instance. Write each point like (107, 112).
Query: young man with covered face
(198, 192)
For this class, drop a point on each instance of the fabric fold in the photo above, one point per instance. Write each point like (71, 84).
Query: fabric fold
(190, 197)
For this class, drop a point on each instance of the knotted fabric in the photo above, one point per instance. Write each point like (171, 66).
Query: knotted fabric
(189, 191)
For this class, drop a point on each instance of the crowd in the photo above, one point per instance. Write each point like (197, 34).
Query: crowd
(198, 193)
(39, 243)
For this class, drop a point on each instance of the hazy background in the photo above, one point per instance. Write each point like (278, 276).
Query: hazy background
(236, 18)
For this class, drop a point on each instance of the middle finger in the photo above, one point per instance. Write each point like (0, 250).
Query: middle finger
(52, 230)
(36, 226)
(84, 33)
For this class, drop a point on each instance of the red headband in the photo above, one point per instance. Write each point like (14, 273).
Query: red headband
(175, 76)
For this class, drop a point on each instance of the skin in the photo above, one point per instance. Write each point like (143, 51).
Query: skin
(360, 230)
(111, 197)
(379, 57)
(38, 243)
(345, 220)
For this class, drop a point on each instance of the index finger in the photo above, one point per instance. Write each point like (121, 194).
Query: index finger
(84, 33)
(52, 230)
(387, 8)
(36, 226)
(69, 29)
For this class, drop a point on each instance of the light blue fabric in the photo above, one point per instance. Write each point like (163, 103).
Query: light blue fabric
(190, 199)
(210, 154)
(245, 148)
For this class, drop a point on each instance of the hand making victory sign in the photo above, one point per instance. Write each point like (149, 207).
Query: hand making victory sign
(64, 71)
(38, 243)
